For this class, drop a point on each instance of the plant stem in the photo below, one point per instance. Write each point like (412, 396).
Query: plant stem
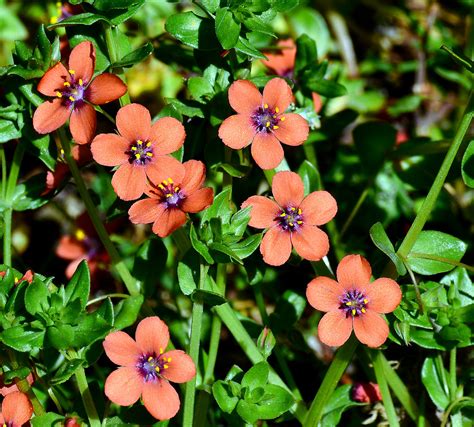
(87, 399)
(384, 390)
(435, 189)
(354, 212)
(338, 366)
(194, 343)
(452, 374)
(4, 172)
(102, 297)
(132, 285)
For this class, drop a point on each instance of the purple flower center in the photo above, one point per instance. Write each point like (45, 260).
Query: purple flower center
(265, 119)
(91, 244)
(290, 219)
(73, 92)
(353, 303)
(140, 153)
(171, 194)
(150, 366)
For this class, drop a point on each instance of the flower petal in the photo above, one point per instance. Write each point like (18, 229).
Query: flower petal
(169, 221)
(288, 189)
(105, 88)
(160, 399)
(318, 208)
(16, 409)
(167, 135)
(276, 246)
(236, 131)
(198, 201)
(293, 130)
(353, 270)
(145, 211)
(152, 335)
(53, 80)
(121, 348)
(165, 167)
(195, 174)
(124, 386)
(263, 211)
(323, 293)
(70, 248)
(310, 242)
(283, 61)
(244, 97)
(82, 61)
(277, 94)
(134, 122)
(334, 328)
(384, 295)
(180, 369)
(371, 329)
(50, 115)
(83, 123)
(129, 181)
(109, 149)
(267, 151)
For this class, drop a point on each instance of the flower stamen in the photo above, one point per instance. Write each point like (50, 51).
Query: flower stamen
(354, 303)
(290, 219)
(140, 153)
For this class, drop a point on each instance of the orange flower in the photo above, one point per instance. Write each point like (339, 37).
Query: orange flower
(180, 191)
(145, 368)
(140, 151)
(16, 410)
(74, 91)
(283, 62)
(28, 276)
(260, 121)
(292, 219)
(353, 303)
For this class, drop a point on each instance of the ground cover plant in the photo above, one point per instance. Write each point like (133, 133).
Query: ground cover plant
(236, 213)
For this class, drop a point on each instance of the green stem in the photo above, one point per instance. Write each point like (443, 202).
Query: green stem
(196, 321)
(111, 41)
(338, 366)
(7, 236)
(452, 374)
(435, 189)
(456, 419)
(384, 390)
(54, 398)
(102, 297)
(132, 285)
(4, 172)
(87, 399)
(104, 113)
(354, 212)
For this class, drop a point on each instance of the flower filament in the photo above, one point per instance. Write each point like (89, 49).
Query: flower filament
(140, 152)
(290, 218)
(171, 193)
(150, 366)
(353, 303)
(266, 119)
(73, 91)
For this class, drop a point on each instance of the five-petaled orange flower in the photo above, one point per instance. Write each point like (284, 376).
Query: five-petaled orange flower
(146, 369)
(353, 303)
(261, 121)
(75, 90)
(16, 410)
(292, 219)
(140, 151)
(179, 191)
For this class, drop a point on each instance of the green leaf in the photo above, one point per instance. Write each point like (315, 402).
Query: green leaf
(310, 176)
(432, 379)
(285, 5)
(288, 311)
(381, 240)
(59, 336)
(227, 29)
(90, 328)
(467, 165)
(11, 27)
(200, 87)
(339, 402)
(244, 46)
(44, 46)
(238, 223)
(126, 311)
(105, 5)
(432, 252)
(47, 420)
(138, 55)
(310, 22)
(80, 19)
(149, 262)
(22, 339)
(222, 207)
(326, 88)
(373, 141)
(185, 109)
(306, 53)
(36, 297)
(224, 396)
(192, 30)
(256, 376)
(199, 246)
(219, 247)
(208, 297)
(211, 5)
(186, 279)
(79, 285)
(66, 371)
(8, 130)
(407, 104)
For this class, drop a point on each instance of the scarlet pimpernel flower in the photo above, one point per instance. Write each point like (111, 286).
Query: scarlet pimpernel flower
(353, 303)
(141, 151)
(261, 121)
(366, 392)
(16, 410)
(75, 90)
(145, 368)
(179, 191)
(292, 219)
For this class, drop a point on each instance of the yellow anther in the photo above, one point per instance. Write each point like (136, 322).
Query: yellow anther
(139, 142)
(59, 94)
(71, 98)
(165, 366)
(80, 235)
(363, 310)
(299, 222)
(157, 369)
(176, 189)
(148, 144)
(170, 181)
(267, 124)
(274, 116)
(161, 187)
(81, 82)
(149, 154)
(137, 156)
(72, 72)
(293, 209)
(349, 303)
(67, 84)
(16, 281)
(366, 300)
(134, 148)
(161, 351)
(168, 196)
(353, 311)
(53, 20)
(150, 359)
(282, 119)
(277, 110)
(276, 127)
(75, 92)
(283, 214)
(59, 4)
(169, 359)
(165, 182)
(291, 224)
(299, 211)
(265, 105)
(62, 152)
